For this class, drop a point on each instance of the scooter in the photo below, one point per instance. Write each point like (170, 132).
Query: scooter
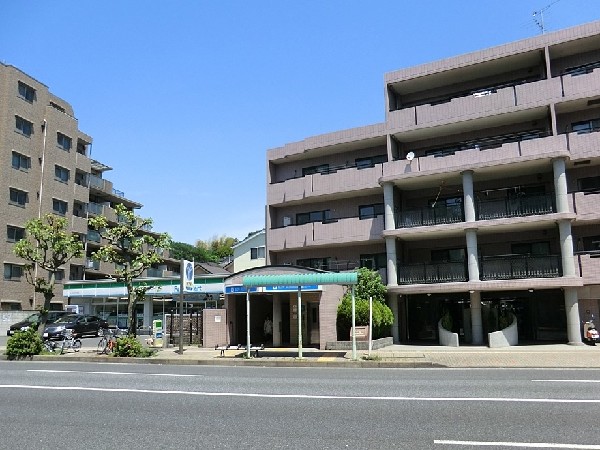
(590, 333)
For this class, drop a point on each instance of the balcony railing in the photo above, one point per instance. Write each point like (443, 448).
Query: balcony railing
(527, 205)
(152, 272)
(93, 236)
(95, 208)
(428, 273)
(430, 216)
(92, 264)
(511, 267)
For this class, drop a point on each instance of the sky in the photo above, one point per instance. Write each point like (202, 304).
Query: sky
(183, 98)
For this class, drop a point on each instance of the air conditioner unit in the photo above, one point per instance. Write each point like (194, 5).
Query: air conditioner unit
(287, 221)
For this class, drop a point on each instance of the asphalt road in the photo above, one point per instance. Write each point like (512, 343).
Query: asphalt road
(98, 406)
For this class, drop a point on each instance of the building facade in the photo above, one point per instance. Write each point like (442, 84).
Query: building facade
(46, 167)
(250, 252)
(480, 192)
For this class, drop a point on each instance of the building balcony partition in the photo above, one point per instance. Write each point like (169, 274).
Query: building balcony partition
(587, 265)
(585, 204)
(540, 92)
(429, 273)
(512, 267)
(526, 205)
(96, 209)
(428, 216)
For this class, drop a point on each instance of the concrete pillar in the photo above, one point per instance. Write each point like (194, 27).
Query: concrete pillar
(148, 312)
(469, 196)
(392, 261)
(573, 321)
(476, 322)
(566, 248)
(277, 320)
(393, 303)
(560, 185)
(472, 257)
(388, 201)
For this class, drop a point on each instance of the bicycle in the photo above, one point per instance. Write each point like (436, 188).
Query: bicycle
(108, 341)
(49, 346)
(69, 341)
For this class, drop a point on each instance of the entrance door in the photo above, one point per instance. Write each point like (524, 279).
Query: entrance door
(313, 324)
(285, 322)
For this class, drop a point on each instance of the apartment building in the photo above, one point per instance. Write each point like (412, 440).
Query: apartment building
(46, 167)
(480, 192)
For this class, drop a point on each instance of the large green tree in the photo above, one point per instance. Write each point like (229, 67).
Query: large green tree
(219, 246)
(132, 248)
(47, 247)
(181, 250)
(369, 285)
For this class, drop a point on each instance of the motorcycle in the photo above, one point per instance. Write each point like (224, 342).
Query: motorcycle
(590, 333)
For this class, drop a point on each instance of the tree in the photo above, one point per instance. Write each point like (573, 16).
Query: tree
(47, 246)
(369, 285)
(133, 249)
(181, 250)
(219, 246)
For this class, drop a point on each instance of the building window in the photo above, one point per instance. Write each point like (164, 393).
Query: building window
(374, 261)
(586, 126)
(59, 207)
(18, 197)
(82, 147)
(448, 255)
(257, 252)
(365, 163)
(59, 276)
(591, 244)
(13, 272)
(589, 184)
(26, 92)
(64, 141)
(23, 126)
(20, 162)
(314, 263)
(61, 174)
(322, 168)
(313, 216)
(14, 234)
(370, 211)
(531, 248)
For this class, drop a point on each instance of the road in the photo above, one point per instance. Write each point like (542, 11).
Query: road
(99, 406)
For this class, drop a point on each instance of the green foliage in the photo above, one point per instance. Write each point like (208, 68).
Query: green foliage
(181, 250)
(447, 321)
(218, 246)
(369, 285)
(24, 343)
(129, 346)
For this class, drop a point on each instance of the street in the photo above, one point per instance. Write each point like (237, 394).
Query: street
(99, 406)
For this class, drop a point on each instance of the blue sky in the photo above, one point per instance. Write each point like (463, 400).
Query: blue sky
(183, 98)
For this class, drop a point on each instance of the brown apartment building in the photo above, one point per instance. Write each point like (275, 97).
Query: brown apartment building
(46, 167)
(480, 191)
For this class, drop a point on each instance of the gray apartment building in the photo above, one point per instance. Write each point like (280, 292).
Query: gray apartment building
(46, 167)
(479, 192)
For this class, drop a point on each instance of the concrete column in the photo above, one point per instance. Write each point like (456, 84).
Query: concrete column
(573, 321)
(276, 320)
(476, 322)
(393, 303)
(472, 257)
(388, 200)
(469, 196)
(148, 312)
(566, 248)
(392, 261)
(560, 185)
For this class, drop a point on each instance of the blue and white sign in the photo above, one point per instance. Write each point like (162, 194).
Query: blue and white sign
(239, 289)
(310, 287)
(187, 272)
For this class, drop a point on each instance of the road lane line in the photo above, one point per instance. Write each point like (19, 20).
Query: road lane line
(569, 381)
(303, 396)
(518, 444)
(115, 373)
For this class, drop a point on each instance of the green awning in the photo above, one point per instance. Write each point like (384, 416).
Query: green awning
(300, 279)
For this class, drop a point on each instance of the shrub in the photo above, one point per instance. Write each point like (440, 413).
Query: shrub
(382, 317)
(129, 346)
(24, 343)
(447, 321)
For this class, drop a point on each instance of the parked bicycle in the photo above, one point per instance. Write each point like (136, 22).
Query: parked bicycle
(69, 341)
(49, 345)
(108, 341)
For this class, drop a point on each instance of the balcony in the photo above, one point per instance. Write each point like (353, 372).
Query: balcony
(527, 205)
(512, 267)
(154, 273)
(429, 273)
(92, 264)
(430, 216)
(581, 84)
(100, 184)
(95, 208)
(584, 145)
(94, 236)
(588, 265)
(585, 204)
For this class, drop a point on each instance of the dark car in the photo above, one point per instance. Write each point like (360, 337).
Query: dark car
(34, 319)
(81, 324)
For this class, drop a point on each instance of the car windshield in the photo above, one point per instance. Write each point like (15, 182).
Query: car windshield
(32, 318)
(66, 319)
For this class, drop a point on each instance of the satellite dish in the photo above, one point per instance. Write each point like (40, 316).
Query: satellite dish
(410, 156)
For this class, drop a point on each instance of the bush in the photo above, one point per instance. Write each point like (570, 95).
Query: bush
(24, 343)
(447, 321)
(383, 317)
(129, 346)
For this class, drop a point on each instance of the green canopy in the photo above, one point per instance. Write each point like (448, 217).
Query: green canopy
(301, 279)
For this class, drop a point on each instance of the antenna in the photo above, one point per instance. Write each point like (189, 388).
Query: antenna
(540, 23)
(410, 156)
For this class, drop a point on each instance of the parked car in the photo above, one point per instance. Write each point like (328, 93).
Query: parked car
(81, 324)
(34, 319)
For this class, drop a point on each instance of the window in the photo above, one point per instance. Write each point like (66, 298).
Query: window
(586, 126)
(23, 126)
(591, 244)
(27, 92)
(64, 141)
(364, 163)
(18, 197)
(374, 261)
(59, 207)
(80, 178)
(61, 174)
(12, 271)
(313, 216)
(82, 147)
(589, 184)
(59, 276)
(20, 162)
(531, 248)
(448, 255)
(257, 252)
(314, 263)
(370, 211)
(322, 168)
(14, 234)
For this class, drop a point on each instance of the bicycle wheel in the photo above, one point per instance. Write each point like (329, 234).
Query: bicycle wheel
(102, 345)
(76, 345)
(49, 346)
(62, 346)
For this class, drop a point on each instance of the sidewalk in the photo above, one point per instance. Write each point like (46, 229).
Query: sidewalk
(394, 356)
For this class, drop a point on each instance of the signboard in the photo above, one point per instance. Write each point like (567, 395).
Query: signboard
(187, 273)
(312, 287)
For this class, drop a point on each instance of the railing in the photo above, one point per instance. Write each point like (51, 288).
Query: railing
(511, 267)
(428, 273)
(97, 182)
(95, 208)
(152, 272)
(526, 205)
(92, 264)
(430, 216)
(93, 236)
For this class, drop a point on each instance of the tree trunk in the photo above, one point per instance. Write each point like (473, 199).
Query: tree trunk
(48, 296)
(131, 313)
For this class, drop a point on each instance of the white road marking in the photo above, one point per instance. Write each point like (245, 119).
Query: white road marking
(115, 373)
(570, 381)
(518, 444)
(303, 396)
